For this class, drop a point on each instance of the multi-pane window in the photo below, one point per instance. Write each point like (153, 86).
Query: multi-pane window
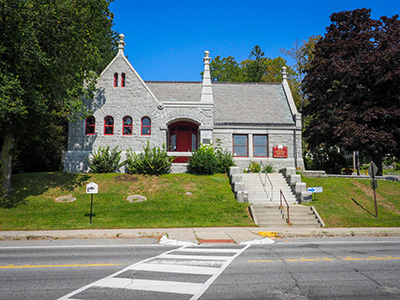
(146, 126)
(173, 142)
(123, 80)
(240, 145)
(127, 126)
(194, 141)
(108, 125)
(90, 125)
(260, 145)
(115, 79)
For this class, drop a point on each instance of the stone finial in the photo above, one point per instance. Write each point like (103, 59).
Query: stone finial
(284, 74)
(206, 90)
(207, 56)
(121, 43)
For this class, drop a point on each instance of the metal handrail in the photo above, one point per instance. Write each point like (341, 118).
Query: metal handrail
(287, 205)
(265, 181)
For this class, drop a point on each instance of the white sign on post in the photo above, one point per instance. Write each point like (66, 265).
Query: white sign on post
(92, 188)
(317, 189)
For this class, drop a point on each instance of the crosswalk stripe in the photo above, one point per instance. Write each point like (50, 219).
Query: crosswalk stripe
(202, 257)
(175, 269)
(151, 285)
(206, 250)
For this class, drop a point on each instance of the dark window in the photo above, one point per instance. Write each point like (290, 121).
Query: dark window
(123, 80)
(108, 125)
(240, 145)
(115, 79)
(90, 125)
(146, 126)
(127, 126)
(260, 145)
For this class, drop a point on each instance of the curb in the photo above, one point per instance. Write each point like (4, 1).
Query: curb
(156, 234)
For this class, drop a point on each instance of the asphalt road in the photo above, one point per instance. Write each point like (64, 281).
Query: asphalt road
(330, 268)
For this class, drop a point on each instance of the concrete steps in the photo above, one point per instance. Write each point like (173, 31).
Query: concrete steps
(259, 193)
(267, 215)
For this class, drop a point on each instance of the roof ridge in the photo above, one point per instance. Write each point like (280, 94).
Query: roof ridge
(214, 82)
(166, 81)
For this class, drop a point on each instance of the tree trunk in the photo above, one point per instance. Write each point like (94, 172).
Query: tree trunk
(6, 159)
(377, 159)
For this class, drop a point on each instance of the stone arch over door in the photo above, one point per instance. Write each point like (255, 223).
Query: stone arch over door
(183, 136)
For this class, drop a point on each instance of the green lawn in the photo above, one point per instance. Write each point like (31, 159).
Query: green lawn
(32, 205)
(349, 202)
(345, 202)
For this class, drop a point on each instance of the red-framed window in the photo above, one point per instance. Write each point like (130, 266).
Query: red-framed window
(127, 125)
(145, 126)
(260, 145)
(123, 80)
(90, 125)
(108, 125)
(115, 79)
(240, 145)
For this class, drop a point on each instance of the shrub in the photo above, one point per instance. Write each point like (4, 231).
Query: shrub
(153, 161)
(105, 161)
(224, 158)
(203, 161)
(254, 167)
(269, 169)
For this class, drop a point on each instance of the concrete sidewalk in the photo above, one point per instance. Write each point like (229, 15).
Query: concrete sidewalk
(201, 235)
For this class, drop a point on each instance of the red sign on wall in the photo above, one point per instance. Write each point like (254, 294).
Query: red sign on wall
(280, 152)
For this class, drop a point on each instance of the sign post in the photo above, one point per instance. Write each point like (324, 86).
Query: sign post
(91, 188)
(372, 170)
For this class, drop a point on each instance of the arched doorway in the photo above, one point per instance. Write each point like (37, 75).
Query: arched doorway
(182, 137)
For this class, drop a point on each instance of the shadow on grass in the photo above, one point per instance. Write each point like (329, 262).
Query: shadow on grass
(34, 184)
(362, 207)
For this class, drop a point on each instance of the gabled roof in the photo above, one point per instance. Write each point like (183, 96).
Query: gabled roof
(251, 103)
(166, 91)
(234, 103)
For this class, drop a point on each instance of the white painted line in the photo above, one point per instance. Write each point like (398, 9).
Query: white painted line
(152, 285)
(259, 242)
(114, 282)
(176, 269)
(210, 250)
(201, 257)
(166, 241)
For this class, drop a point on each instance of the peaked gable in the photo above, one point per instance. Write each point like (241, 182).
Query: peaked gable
(121, 65)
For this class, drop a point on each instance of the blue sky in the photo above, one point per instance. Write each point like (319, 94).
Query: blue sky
(166, 39)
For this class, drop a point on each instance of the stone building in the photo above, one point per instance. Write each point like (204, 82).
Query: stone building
(254, 121)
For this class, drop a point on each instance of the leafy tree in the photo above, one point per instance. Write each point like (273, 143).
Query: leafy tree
(302, 54)
(225, 70)
(48, 49)
(353, 85)
(256, 68)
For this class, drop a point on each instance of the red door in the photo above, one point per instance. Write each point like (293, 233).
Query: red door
(183, 138)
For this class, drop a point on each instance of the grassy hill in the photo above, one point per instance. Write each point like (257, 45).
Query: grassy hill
(209, 202)
(177, 200)
(349, 202)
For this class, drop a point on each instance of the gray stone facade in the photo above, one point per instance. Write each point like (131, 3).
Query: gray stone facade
(268, 109)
